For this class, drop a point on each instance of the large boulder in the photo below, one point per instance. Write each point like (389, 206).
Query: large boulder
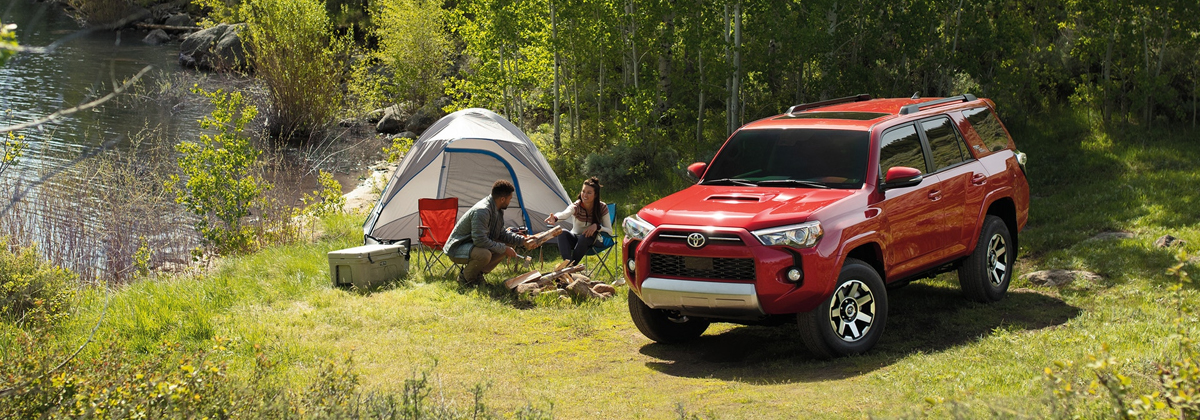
(218, 48)
(392, 121)
(157, 37)
(422, 119)
(180, 20)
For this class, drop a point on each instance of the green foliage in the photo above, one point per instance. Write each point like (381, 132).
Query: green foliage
(33, 292)
(411, 58)
(173, 381)
(398, 149)
(327, 200)
(10, 150)
(220, 187)
(8, 41)
(302, 61)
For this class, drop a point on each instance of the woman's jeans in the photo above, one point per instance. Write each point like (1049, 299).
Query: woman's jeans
(573, 247)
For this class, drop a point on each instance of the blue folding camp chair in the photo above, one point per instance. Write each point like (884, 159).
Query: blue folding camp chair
(603, 248)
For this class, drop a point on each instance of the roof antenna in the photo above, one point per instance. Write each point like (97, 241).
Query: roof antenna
(916, 95)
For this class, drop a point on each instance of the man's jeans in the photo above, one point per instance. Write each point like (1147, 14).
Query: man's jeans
(481, 262)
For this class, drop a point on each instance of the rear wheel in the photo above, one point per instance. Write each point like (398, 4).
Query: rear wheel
(663, 326)
(985, 274)
(852, 319)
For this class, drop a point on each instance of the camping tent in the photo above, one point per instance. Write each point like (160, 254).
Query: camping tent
(461, 155)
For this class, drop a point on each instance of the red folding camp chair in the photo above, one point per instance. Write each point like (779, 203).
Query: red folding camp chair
(437, 217)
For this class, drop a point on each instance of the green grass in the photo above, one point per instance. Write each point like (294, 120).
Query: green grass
(940, 357)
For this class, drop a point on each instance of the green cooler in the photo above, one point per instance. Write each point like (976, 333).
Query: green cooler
(369, 266)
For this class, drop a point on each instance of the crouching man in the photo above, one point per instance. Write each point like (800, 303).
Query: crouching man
(479, 239)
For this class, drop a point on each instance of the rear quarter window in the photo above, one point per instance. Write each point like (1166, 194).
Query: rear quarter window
(988, 127)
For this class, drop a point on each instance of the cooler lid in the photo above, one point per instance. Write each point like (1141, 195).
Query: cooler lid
(375, 251)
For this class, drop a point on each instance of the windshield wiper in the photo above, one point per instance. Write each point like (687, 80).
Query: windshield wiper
(734, 181)
(794, 182)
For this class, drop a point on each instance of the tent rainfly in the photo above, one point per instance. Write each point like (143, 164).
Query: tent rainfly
(461, 155)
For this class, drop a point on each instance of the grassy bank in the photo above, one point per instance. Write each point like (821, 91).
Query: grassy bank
(941, 356)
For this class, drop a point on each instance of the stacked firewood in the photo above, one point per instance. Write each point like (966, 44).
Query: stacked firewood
(563, 280)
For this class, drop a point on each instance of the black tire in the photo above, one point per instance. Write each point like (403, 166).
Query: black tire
(861, 294)
(662, 326)
(985, 274)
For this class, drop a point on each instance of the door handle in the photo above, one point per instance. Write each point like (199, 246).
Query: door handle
(979, 179)
(935, 195)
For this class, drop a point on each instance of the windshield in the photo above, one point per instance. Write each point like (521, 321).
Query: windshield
(804, 158)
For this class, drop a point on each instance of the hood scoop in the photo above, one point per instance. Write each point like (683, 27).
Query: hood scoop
(740, 198)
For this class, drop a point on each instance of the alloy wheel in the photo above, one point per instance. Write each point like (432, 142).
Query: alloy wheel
(997, 259)
(852, 310)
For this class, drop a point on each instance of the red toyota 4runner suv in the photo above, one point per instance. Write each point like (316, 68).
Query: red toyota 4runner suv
(817, 211)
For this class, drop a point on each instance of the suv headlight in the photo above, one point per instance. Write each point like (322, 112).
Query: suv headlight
(803, 235)
(636, 228)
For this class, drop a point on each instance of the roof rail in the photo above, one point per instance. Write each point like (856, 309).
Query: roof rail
(803, 107)
(908, 109)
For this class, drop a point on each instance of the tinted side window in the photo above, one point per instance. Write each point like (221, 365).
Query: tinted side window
(988, 127)
(944, 143)
(901, 147)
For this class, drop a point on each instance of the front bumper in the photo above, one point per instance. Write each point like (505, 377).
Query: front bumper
(741, 279)
(702, 298)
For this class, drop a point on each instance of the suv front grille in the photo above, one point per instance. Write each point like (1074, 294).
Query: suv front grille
(702, 267)
(713, 238)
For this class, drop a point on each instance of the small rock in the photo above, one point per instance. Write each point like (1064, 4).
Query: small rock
(603, 288)
(407, 135)
(1058, 277)
(180, 19)
(1102, 236)
(1167, 241)
(156, 37)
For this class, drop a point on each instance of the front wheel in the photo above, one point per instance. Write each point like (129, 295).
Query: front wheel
(852, 319)
(985, 274)
(662, 326)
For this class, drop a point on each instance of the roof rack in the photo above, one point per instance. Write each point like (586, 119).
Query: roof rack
(803, 107)
(908, 109)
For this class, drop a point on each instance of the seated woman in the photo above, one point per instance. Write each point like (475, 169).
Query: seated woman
(590, 216)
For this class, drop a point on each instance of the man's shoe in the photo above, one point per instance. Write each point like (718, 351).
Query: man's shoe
(463, 280)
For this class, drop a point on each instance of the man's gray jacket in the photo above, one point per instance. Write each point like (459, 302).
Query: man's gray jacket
(482, 226)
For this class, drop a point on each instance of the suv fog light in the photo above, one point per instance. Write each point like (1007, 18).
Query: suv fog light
(631, 264)
(794, 275)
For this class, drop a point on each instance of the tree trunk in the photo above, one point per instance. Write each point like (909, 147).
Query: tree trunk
(664, 61)
(1146, 88)
(1105, 79)
(700, 106)
(737, 65)
(729, 101)
(555, 110)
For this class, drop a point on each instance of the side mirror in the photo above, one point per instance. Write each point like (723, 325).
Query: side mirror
(901, 176)
(697, 170)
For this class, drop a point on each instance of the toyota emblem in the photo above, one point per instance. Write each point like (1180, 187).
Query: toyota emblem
(696, 240)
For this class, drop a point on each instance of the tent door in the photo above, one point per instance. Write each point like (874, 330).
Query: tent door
(469, 173)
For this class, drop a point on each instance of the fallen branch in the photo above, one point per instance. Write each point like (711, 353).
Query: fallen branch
(168, 27)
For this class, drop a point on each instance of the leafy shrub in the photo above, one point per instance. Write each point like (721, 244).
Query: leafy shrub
(174, 382)
(412, 55)
(220, 187)
(1176, 393)
(301, 60)
(621, 166)
(8, 41)
(398, 149)
(32, 291)
(327, 200)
